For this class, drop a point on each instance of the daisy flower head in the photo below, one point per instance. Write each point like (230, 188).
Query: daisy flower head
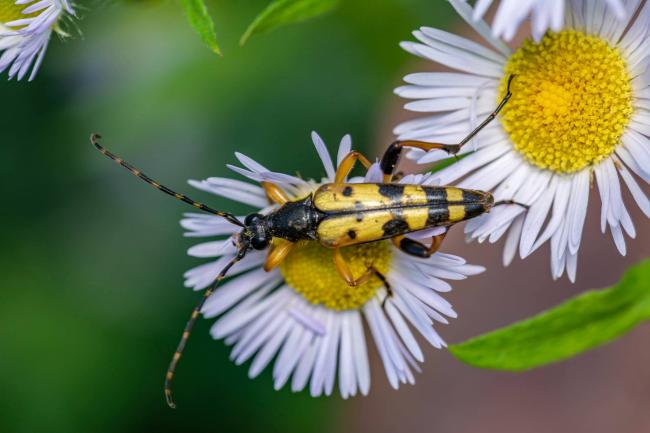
(545, 15)
(25, 30)
(301, 317)
(579, 115)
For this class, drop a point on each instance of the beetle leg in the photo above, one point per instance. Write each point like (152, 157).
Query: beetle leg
(418, 249)
(347, 164)
(344, 270)
(279, 251)
(274, 193)
(391, 157)
(389, 290)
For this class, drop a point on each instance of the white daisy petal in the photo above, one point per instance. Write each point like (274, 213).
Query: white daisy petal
(572, 267)
(230, 293)
(430, 35)
(240, 195)
(481, 27)
(361, 355)
(212, 249)
(235, 322)
(546, 15)
(626, 157)
(619, 239)
(289, 355)
(512, 240)
(456, 59)
(308, 322)
(269, 350)
(636, 191)
(305, 367)
(344, 148)
(578, 210)
(260, 331)
(535, 219)
(324, 155)
(347, 379)
(404, 332)
(375, 329)
(200, 225)
(374, 174)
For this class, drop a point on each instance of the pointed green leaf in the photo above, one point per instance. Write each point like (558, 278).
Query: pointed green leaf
(200, 20)
(582, 323)
(281, 12)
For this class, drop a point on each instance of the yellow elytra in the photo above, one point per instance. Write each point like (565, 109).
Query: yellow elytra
(359, 213)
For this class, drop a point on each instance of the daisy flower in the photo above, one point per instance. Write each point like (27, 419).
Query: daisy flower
(25, 30)
(546, 14)
(302, 317)
(579, 115)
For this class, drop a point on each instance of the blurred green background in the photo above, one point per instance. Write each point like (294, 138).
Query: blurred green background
(92, 301)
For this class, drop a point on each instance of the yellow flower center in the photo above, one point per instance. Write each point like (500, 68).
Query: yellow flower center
(10, 11)
(309, 269)
(571, 102)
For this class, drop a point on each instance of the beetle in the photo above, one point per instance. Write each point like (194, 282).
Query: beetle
(340, 214)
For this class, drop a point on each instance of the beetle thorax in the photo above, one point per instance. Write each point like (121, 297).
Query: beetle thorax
(294, 221)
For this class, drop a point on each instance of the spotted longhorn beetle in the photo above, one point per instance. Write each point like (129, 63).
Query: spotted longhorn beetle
(341, 214)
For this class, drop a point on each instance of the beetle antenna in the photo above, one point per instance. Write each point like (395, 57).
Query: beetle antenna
(506, 202)
(94, 139)
(190, 324)
(491, 117)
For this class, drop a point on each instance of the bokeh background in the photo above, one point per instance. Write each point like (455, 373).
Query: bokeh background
(91, 294)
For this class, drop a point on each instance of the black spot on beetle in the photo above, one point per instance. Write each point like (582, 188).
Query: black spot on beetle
(392, 191)
(395, 227)
(352, 234)
(347, 191)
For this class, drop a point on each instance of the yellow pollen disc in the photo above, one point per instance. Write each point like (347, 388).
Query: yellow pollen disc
(571, 100)
(309, 269)
(10, 11)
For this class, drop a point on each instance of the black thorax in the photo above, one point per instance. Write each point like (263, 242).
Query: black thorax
(295, 220)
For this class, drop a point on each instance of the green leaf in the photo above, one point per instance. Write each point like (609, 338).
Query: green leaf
(281, 12)
(582, 323)
(444, 163)
(200, 20)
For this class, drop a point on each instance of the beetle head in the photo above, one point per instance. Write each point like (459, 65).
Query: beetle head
(255, 234)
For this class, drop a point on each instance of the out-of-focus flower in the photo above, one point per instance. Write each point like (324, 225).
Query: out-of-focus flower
(25, 30)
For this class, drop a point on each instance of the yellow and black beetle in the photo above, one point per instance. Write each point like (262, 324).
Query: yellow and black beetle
(341, 214)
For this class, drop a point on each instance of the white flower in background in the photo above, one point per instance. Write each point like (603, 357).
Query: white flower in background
(545, 14)
(580, 111)
(302, 316)
(25, 30)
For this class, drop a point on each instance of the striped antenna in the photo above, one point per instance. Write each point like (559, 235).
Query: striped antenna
(94, 139)
(190, 324)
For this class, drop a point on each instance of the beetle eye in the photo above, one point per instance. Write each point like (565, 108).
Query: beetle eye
(259, 243)
(252, 217)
